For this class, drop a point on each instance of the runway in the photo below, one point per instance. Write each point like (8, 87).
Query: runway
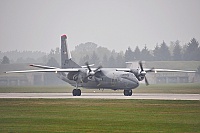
(155, 96)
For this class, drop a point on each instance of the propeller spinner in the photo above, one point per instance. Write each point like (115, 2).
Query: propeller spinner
(142, 73)
(91, 73)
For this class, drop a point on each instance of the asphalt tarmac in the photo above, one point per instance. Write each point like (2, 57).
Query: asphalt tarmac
(155, 96)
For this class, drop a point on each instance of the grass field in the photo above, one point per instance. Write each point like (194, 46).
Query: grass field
(191, 88)
(97, 115)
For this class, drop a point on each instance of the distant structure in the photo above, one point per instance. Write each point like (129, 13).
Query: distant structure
(26, 79)
(169, 77)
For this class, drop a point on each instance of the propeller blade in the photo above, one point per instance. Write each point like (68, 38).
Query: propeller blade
(97, 81)
(87, 64)
(141, 67)
(97, 69)
(146, 81)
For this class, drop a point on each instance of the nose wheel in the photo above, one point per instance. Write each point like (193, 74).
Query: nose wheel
(128, 92)
(76, 92)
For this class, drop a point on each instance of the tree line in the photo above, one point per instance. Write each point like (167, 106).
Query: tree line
(102, 56)
(163, 52)
(94, 54)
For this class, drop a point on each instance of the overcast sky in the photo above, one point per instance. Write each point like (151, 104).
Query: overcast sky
(115, 24)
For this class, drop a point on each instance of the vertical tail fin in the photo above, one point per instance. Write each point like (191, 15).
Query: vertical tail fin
(66, 61)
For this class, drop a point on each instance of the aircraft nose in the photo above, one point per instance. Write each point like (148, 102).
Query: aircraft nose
(134, 83)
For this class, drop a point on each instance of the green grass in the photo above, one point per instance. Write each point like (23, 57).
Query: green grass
(191, 88)
(95, 115)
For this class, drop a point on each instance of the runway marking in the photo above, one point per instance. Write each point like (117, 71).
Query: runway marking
(155, 96)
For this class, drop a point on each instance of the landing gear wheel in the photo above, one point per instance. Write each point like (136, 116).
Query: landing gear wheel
(76, 92)
(127, 92)
(130, 93)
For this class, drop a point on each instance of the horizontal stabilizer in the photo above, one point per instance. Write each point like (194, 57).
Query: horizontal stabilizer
(43, 67)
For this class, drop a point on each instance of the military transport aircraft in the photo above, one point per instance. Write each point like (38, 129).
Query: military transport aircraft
(100, 78)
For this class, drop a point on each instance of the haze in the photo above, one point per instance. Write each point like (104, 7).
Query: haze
(116, 24)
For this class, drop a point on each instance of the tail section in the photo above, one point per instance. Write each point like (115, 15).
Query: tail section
(66, 61)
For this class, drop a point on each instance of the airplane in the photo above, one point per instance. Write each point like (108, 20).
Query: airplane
(96, 78)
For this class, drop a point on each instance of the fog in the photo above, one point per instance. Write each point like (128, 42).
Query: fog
(116, 24)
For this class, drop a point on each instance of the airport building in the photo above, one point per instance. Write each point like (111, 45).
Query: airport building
(169, 77)
(25, 79)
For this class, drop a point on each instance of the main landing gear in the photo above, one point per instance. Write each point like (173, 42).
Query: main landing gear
(127, 92)
(76, 92)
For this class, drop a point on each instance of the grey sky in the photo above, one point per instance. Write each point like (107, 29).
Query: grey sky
(115, 24)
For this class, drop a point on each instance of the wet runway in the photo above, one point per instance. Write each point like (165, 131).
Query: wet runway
(156, 96)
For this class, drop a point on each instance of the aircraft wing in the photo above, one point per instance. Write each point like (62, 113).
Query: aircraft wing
(170, 70)
(123, 69)
(45, 70)
(154, 70)
(129, 70)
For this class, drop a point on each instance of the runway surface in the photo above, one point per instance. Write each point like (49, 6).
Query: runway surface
(157, 96)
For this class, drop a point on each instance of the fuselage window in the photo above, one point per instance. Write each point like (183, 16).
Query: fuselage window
(125, 75)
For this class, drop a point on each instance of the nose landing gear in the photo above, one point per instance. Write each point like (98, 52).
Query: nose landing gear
(76, 92)
(128, 93)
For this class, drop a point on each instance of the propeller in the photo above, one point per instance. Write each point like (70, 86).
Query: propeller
(91, 72)
(141, 67)
(142, 73)
(146, 81)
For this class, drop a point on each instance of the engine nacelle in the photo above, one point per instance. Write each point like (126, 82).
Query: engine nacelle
(140, 78)
(72, 75)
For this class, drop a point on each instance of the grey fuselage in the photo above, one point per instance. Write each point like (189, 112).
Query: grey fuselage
(108, 78)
